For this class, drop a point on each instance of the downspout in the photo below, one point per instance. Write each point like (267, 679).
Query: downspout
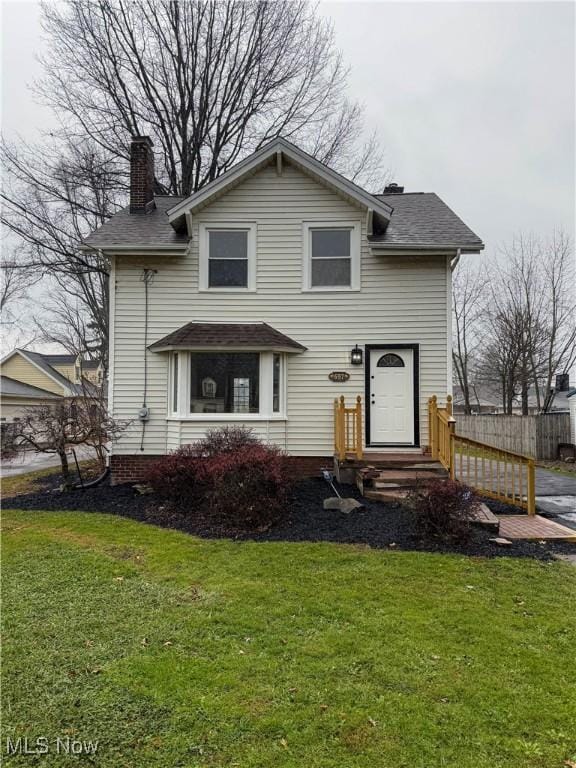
(455, 260)
(144, 413)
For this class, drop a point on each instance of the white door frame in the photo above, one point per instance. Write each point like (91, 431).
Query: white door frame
(416, 408)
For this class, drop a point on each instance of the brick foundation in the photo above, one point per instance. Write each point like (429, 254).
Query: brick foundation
(131, 468)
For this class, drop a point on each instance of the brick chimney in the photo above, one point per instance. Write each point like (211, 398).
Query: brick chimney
(141, 175)
(393, 189)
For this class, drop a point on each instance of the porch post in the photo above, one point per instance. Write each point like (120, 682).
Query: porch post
(358, 427)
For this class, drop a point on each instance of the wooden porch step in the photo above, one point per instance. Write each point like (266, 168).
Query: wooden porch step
(399, 495)
(388, 460)
(407, 476)
(485, 517)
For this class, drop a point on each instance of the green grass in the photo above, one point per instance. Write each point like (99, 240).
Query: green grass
(559, 467)
(172, 651)
(28, 482)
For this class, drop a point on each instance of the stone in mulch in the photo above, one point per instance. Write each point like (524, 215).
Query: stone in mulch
(342, 505)
(377, 524)
(501, 542)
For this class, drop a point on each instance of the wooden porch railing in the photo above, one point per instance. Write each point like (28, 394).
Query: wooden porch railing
(347, 428)
(498, 474)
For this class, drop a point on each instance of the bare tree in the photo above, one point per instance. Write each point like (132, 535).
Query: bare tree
(500, 354)
(468, 304)
(209, 80)
(531, 318)
(54, 428)
(65, 321)
(559, 277)
(14, 286)
(50, 202)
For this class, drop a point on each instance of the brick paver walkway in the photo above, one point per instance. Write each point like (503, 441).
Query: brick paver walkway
(533, 527)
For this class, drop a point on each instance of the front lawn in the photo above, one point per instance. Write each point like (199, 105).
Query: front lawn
(174, 651)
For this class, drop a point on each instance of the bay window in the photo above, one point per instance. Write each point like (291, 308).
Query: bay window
(174, 382)
(233, 380)
(219, 385)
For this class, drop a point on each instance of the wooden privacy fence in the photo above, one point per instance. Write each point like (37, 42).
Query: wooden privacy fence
(347, 428)
(494, 472)
(536, 436)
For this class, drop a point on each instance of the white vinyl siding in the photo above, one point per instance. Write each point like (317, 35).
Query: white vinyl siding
(403, 299)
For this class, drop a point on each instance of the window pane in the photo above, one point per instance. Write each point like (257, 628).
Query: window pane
(390, 361)
(228, 245)
(330, 242)
(276, 384)
(233, 380)
(227, 273)
(330, 272)
(175, 382)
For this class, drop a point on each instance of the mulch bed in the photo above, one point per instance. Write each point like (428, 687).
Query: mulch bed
(380, 525)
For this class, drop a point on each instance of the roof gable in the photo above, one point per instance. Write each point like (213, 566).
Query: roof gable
(42, 364)
(279, 149)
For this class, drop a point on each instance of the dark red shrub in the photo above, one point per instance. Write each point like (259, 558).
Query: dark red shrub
(443, 509)
(177, 477)
(225, 440)
(230, 474)
(248, 488)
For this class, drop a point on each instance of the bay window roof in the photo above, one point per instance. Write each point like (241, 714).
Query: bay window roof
(232, 336)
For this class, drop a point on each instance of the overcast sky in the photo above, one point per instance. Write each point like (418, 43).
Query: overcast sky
(474, 101)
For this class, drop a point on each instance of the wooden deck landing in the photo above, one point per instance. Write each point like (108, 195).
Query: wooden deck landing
(534, 528)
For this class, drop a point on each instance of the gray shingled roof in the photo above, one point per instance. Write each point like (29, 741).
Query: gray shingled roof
(257, 335)
(419, 220)
(15, 388)
(422, 219)
(70, 360)
(133, 229)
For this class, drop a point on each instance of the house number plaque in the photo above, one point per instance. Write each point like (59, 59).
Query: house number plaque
(339, 376)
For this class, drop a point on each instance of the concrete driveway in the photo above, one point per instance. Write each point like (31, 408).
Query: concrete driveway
(556, 496)
(31, 461)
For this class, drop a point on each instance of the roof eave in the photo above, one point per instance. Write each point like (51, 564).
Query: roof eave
(426, 247)
(137, 250)
(188, 347)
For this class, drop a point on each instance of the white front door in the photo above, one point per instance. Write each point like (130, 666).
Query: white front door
(391, 396)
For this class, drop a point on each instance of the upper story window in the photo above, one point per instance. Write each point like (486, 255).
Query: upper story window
(228, 257)
(331, 256)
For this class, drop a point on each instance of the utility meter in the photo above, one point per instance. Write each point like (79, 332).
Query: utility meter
(144, 413)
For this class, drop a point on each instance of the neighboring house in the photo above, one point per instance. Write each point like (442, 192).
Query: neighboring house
(234, 305)
(572, 407)
(15, 397)
(32, 378)
(486, 398)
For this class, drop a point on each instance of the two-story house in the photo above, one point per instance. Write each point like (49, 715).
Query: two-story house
(32, 379)
(266, 294)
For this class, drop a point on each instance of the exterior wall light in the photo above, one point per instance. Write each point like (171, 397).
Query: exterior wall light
(356, 356)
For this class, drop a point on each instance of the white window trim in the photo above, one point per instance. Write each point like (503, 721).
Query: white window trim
(204, 229)
(265, 391)
(355, 253)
